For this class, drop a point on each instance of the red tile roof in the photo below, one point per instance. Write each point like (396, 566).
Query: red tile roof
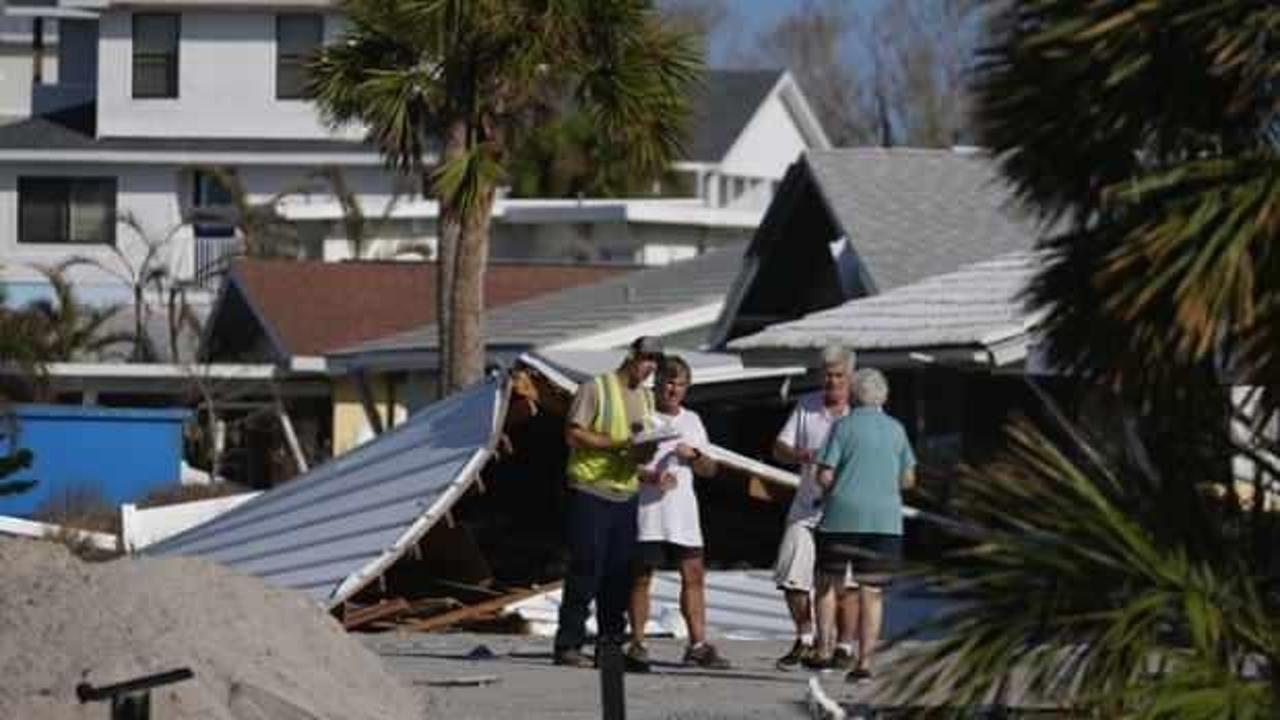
(314, 307)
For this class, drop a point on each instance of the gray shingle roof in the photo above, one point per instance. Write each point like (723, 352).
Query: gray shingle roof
(914, 213)
(589, 309)
(722, 106)
(71, 130)
(978, 305)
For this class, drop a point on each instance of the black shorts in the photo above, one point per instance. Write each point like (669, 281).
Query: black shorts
(872, 558)
(653, 555)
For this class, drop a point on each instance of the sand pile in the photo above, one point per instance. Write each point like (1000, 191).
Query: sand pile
(256, 652)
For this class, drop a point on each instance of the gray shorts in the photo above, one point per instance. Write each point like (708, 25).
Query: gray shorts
(797, 558)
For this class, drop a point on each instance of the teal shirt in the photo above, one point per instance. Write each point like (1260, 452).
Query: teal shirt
(869, 451)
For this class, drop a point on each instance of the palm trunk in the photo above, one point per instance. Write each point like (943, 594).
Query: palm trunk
(449, 236)
(466, 364)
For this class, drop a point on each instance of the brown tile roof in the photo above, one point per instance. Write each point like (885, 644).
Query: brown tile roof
(314, 306)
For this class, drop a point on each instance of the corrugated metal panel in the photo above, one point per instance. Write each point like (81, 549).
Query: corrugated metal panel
(741, 605)
(334, 529)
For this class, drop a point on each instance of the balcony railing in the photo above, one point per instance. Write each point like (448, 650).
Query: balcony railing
(213, 258)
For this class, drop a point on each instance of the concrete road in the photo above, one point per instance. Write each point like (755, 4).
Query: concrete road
(527, 685)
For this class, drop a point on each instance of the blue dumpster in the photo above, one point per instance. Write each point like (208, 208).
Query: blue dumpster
(118, 454)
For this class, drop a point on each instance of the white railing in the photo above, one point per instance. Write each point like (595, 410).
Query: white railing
(32, 529)
(213, 258)
(141, 527)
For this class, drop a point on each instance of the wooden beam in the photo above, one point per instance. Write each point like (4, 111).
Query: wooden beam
(353, 619)
(760, 489)
(479, 610)
(290, 437)
(366, 401)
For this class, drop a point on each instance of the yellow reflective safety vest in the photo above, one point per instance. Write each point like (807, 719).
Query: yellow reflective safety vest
(611, 474)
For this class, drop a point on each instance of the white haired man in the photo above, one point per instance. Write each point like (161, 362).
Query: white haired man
(865, 464)
(799, 442)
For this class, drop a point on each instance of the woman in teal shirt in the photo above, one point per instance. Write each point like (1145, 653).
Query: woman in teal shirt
(864, 465)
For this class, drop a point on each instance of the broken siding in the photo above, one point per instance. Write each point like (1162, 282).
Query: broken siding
(331, 531)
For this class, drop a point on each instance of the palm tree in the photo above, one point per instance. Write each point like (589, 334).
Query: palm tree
(468, 79)
(150, 271)
(1138, 579)
(66, 329)
(19, 356)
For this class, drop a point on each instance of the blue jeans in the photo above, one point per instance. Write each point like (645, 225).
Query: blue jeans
(602, 538)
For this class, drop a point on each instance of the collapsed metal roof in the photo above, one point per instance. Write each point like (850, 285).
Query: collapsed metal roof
(333, 530)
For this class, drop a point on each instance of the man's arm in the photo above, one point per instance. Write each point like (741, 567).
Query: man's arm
(908, 459)
(580, 438)
(702, 465)
(788, 455)
(826, 477)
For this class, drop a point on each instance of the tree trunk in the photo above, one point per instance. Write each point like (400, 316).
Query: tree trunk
(449, 234)
(466, 364)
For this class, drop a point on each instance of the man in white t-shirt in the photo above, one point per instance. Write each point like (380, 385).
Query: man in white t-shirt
(799, 443)
(669, 530)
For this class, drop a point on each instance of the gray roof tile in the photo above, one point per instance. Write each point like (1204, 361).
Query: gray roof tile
(589, 309)
(978, 305)
(914, 213)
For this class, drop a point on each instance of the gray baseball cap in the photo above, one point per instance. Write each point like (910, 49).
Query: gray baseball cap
(647, 345)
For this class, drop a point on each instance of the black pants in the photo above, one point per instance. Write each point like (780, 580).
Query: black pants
(602, 536)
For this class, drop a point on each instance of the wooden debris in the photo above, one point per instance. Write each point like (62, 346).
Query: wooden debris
(761, 489)
(463, 681)
(353, 619)
(479, 610)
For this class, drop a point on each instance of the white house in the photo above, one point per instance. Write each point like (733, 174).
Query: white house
(121, 104)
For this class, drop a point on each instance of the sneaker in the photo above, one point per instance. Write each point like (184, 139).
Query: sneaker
(858, 675)
(571, 657)
(798, 653)
(636, 658)
(842, 659)
(705, 655)
(814, 661)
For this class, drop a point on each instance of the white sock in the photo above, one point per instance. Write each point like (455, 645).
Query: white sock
(847, 647)
(806, 638)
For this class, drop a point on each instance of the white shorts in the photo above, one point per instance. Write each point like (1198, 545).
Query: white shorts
(797, 558)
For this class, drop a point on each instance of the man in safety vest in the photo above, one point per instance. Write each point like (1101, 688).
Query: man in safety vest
(603, 469)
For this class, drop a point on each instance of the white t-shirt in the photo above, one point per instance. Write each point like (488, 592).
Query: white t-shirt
(672, 516)
(807, 429)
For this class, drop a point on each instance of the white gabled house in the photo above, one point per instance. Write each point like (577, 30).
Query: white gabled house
(112, 107)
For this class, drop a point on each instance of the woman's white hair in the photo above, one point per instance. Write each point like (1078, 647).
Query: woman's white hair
(837, 355)
(870, 387)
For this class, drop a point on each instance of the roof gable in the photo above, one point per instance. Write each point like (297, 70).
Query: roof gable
(722, 107)
(907, 214)
(914, 213)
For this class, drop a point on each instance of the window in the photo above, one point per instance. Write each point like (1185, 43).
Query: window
(298, 37)
(155, 55)
(212, 201)
(66, 210)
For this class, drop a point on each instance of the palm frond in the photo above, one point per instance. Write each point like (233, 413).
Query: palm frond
(1097, 588)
